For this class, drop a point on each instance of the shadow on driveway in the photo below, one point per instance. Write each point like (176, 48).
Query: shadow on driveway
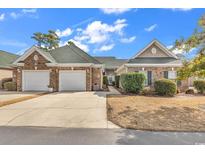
(89, 136)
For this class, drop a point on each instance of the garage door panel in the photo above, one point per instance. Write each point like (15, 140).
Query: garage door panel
(72, 81)
(35, 80)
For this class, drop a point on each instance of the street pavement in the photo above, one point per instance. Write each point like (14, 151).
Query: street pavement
(12, 135)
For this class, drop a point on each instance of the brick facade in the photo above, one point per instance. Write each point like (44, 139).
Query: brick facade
(93, 75)
(158, 73)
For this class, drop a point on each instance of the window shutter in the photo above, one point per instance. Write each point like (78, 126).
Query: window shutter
(149, 75)
(166, 74)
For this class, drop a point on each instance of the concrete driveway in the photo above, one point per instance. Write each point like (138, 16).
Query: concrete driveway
(77, 110)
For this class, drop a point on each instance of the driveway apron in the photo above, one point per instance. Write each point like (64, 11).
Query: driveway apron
(69, 109)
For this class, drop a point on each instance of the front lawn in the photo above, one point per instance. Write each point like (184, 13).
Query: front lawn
(180, 113)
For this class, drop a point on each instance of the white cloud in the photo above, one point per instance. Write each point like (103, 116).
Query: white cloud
(181, 9)
(115, 10)
(175, 51)
(99, 32)
(107, 47)
(82, 46)
(29, 10)
(179, 51)
(14, 15)
(151, 28)
(128, 40)
(25, 12)
(64, 33)
(2, 17)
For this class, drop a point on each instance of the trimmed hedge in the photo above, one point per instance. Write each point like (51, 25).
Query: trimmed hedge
(132, 82)
(105, 81)
(165, 87)
(10, 86)
(117, 81)
(4, 80)
(200, 86)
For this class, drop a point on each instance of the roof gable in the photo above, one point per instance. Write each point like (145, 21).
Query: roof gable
(72, 54)
(33, 49)
(159, 48)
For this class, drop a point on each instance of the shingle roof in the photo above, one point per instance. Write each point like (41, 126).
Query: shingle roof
(155, 60)
(6, 59)
(111, 62)
(71, 54)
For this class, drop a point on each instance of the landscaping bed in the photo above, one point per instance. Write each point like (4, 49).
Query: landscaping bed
(179, 113)
(7, 98)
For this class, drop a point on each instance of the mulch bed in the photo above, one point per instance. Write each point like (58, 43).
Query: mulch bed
(20, 99)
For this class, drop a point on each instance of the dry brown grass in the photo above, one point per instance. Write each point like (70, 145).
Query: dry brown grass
(20, 99)
(186, 113)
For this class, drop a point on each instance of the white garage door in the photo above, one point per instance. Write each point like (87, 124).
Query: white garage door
(35, 80)
(72, 80)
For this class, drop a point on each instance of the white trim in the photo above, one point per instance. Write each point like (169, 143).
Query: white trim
(22, 74)
(160, 46)
(29, 52)
(98, 65)
(74, 65)
(19, 64)
(154, 65)
(69, 64)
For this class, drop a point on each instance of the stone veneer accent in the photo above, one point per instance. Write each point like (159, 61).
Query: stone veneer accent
(93, 75)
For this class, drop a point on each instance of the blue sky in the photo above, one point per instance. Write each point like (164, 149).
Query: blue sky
(101, 32)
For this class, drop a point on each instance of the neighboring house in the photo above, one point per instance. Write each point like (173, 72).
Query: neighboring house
(155, 61)
(111, 64)
(66, 68)
(6, 60)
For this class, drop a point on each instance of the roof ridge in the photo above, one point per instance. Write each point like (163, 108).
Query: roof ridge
(161, 45)
(78, 53)
(73, 45)
(8, 52)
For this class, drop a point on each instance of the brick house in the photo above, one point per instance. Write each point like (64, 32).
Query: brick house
(69, 68)
(156, 62)
(66, 68)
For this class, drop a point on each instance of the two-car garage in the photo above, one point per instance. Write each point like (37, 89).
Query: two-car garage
(38, 80)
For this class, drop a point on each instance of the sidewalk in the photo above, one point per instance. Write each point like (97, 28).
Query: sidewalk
(113, 90)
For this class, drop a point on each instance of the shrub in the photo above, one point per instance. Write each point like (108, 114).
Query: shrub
(200, 86)
(113, 83)
(4, 80)
(105, 81)
(147, 91)
(189, 91)
(10, 86)
(165, 87)
(117, 81)
(132, 82)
